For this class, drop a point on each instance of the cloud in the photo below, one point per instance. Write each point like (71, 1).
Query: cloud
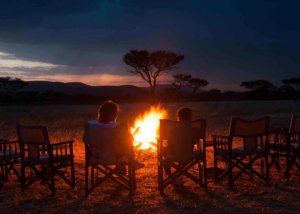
(8, 61)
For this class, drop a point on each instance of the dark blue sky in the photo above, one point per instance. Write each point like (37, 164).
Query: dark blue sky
(224, 41)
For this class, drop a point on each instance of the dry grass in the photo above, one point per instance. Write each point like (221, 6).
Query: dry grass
(66, 122)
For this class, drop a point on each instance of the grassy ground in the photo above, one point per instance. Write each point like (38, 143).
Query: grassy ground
(66, 122)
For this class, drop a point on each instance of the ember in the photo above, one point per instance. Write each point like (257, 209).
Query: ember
(146, 128)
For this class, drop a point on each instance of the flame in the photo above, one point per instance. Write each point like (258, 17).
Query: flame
(146, 128)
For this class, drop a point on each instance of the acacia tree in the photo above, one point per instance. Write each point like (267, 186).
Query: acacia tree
(258, 85)
(149, 66)
(197, 83)
(180, 80)
(8, 84)
(293, 82)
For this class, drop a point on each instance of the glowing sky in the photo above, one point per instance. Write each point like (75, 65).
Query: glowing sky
(224, 41)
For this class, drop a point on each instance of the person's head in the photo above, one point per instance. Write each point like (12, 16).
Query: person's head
(184, 114)
(108, 112)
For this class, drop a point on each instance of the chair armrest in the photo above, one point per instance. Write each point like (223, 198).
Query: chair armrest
(278, 135)
(4, 143)
(220, 136)
(62, 143)
(9, 149)
(276, 130)
(61, 149)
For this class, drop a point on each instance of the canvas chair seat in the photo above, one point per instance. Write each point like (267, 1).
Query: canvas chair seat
(108, 160)
(278, 146)
(44, 158)
(283, 146)
(195, 154)
(8, 154)
(295, 146)
(241, 151)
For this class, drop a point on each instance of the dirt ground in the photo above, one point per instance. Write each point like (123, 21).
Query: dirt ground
(65, 122)
(248, 196)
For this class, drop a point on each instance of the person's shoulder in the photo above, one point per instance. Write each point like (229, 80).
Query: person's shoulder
(105, 125)
(93, 122)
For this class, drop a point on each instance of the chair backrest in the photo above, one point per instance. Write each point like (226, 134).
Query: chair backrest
(295, 124)
(107, 144)
(33, 139)
(294, 130)
(181, 137)
(166, 127)
(250, 130)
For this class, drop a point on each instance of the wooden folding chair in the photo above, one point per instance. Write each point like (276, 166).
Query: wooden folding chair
(254, 137)
(109, 154)
(286, 144)
(180, 162)
(45, 160)
(9, 159)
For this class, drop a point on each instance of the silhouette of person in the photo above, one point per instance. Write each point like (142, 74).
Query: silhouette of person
(182, 140)
(107, 118)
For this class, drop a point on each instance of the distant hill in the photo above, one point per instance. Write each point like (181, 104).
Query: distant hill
(74, 88)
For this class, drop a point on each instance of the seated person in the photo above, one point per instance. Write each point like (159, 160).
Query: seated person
(183, 138)
(107, 116)
(181, 144)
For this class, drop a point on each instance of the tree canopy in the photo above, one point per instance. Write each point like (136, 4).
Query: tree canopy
(293, 82)
(150, 65)
(258, 85)
(197, 83)
(8, 84)
(181, 80)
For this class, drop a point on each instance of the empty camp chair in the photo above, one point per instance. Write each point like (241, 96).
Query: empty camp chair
(182, 158)
(109, 154)
(279, 148)
(285, 143)
(253, 135)
(45, 160)
(9, 159)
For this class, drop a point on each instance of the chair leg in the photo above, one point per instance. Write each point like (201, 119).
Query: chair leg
(131, 179)
(267, 169)
(200, 172)
(22, 176)
(205, 174)
(53, 190)
(287, 172)
(5, 172)
(278, 164)
(215, 169)
(73, 174)
(230, 180)
(93, 176)
(160, 178)
(262, 167)
(134, 177)
(86, 180)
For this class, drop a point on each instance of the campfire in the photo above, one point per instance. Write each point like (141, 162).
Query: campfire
(146, 128)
